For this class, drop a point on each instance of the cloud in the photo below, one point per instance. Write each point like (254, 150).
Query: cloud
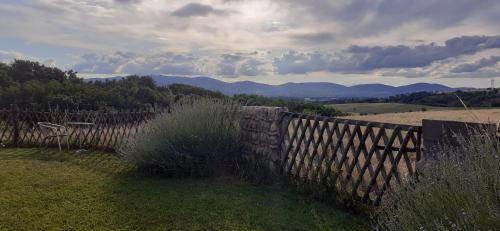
(368, 17)
(9, 56)
(382, 33)
(300, 63)
(132, 63)
(197, 9)
(484, 74)
(472, 67)
(128, 1)
(233, 65)
(314, 37)
(251, 67)
(369, 58)
(51, 62)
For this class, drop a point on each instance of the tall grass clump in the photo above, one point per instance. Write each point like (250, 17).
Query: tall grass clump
(458, 191)
(195, 139)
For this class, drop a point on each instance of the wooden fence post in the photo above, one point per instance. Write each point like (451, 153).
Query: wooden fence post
(15, 124)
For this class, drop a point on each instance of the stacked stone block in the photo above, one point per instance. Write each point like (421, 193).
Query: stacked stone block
(260, 130)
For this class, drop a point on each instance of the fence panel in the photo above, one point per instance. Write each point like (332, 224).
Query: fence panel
(109, 129)
(360, 158)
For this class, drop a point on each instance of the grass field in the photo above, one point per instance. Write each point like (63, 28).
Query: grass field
(47, 190)
(415, 118)
(379, 108)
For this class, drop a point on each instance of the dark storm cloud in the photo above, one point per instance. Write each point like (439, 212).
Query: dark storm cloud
(367, 58)
(472, 67)
(197, 9)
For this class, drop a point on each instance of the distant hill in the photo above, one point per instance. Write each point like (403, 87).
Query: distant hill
(297, 90)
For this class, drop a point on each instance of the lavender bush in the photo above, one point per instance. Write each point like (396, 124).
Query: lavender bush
(459, 191)
(191, 140)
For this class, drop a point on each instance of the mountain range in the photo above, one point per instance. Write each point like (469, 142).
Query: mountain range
(297, 90)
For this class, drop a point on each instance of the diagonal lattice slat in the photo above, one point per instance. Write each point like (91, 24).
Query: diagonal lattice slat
(359, 157)
(110, 129)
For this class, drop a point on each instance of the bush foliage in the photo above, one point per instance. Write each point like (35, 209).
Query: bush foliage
(194, 139)
(459, 191)
(29, 84)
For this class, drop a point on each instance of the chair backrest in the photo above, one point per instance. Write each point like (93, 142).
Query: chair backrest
(50, 129)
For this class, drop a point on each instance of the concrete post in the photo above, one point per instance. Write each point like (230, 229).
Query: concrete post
(435, 132)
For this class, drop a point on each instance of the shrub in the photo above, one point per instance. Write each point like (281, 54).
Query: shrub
(193, 139)
(459, 191)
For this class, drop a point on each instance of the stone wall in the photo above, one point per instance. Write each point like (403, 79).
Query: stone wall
(261, 139)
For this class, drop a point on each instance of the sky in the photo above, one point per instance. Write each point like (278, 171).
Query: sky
(394, 42)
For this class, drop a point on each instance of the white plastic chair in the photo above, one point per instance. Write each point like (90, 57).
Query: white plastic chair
(51, 131)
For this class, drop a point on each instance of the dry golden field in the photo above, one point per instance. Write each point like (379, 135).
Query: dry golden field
(415, 118)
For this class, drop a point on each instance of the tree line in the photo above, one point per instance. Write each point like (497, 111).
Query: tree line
(31, 84)
(481, 98)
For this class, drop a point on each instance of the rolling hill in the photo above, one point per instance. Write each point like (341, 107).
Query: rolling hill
(297, 90)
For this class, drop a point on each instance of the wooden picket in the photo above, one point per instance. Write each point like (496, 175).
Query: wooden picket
(19, 127)
(360, 158)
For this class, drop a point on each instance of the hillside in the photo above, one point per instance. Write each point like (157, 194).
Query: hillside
(298, 90)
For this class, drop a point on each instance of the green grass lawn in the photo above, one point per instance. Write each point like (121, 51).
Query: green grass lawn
(378, 108)
(47, 190)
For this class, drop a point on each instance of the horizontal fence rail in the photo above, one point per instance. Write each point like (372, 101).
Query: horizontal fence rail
(104, 130)
(360, 158)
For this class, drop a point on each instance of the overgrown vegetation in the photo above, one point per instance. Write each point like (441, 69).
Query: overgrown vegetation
(195, 139)
(458, 191)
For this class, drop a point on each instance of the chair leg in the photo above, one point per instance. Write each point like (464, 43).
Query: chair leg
(59, 143)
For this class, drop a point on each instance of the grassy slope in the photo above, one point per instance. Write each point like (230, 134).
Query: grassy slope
(378, 108)
(47, 190)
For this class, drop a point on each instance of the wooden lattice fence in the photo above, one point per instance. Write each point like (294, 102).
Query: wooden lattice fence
(109, 129)
(355, 157)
